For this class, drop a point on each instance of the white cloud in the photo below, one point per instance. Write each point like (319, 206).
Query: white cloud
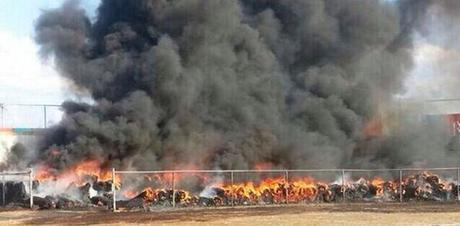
(435, 74)
(24, 78)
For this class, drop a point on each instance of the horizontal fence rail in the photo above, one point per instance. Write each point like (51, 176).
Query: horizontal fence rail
(277, 170)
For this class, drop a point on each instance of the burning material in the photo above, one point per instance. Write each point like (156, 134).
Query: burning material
(278, 190)
(82, 185)
(200, 189)
(427, 186)
(268, 89)
(12, 192)
(231, 84)
(79, 173)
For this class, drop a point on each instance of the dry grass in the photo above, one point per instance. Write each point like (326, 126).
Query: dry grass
(324, 214)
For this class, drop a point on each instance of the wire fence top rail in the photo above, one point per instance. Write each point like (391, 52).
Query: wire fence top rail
(3, 173)
(279, 170)
(254, 170)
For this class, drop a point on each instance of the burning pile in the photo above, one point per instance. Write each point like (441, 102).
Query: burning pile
(276, 190)
(81, 185)
(85, 184)
(228, 84)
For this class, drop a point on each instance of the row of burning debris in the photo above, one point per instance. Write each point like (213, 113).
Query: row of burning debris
(304, 190)
(423, 186)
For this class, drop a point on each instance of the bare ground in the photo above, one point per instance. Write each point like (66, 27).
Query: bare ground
(320, 214)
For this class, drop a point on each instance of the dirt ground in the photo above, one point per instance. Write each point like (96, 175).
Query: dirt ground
(322, 214)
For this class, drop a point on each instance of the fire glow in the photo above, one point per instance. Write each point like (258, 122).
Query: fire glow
(79, 174)
(273, 190)
(278, 190)
(166, 188)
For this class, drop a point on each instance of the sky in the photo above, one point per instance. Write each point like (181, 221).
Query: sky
(24, 77)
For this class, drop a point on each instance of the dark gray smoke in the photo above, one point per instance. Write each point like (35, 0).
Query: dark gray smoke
(228, 84)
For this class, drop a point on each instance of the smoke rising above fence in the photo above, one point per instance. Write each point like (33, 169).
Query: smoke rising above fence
(229, 84)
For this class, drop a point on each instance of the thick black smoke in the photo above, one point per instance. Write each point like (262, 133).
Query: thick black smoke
(226, 83)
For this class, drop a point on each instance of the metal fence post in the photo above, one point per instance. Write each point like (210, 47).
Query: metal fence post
(30, 188)
(286, 181)
(114, 199)
(44, 117)
(400, 186)
(2, 108)
(458, 184)
(232, 197)
(3, 190)
(343, 185)
(174, 189)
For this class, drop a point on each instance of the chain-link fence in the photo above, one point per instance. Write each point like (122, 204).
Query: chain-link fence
(188, 188)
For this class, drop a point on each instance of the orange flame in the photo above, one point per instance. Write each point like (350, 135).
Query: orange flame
(275, 189)
(378, 183)
(79, 173)
(270, 189)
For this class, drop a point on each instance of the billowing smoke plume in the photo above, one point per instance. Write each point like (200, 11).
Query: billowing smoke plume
(228, 84)
(437, 53)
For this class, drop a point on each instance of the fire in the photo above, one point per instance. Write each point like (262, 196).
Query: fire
(149, 194)
(79, 173)
(271, 189)
(91, 168)
(43, 173)
(130, 194)
(378, 183)
(168, 187)
(268, 188)
(205, 189)
(276, 190)
(304, 189)
(373, 128)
